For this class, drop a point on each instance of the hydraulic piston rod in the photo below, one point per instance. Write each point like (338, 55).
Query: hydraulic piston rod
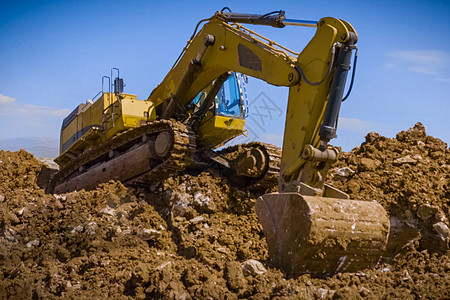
(328, 128)
(275, 19)
(304, 23)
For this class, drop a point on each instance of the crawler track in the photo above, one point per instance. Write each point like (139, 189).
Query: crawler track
(180, 156)
(270, 177)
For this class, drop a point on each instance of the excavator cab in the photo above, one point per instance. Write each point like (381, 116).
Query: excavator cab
(225, 119)
(231, 98)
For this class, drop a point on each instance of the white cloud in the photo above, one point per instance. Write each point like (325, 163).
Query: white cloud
(354, 124)
(443, 79)
(389, 65)
(42, 110)
(432, 57)
(427, 62)
(10, 107)
(25, 120)
(6, 99)
(427, 70)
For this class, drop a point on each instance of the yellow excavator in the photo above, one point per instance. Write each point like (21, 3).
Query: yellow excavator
(310, 226)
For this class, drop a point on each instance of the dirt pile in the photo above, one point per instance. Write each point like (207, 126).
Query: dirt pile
(410, 177)
(197, 237)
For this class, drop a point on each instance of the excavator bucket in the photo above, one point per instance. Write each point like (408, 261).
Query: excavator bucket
(320, 235)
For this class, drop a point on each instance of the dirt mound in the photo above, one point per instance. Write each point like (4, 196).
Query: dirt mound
(410, 177)
(196, 237)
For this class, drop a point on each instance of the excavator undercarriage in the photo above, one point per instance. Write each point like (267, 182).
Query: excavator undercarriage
(152, 151)
(157, 150)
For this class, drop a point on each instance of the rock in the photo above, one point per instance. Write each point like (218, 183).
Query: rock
(417, 157)
(354, 187)
(148, 234)
(2, 198)
(253, 267)
(60, 197)
(9, 235)
(418, 127)
(108, 211)
(180, 204)
(234, 276)
(418, 132)
(58, 204)
(368, 164)
(204, 202)
(48, 162)
(436, 154)
(78, 228)
(426, 211)
(197, 220)
(372, 136)
(406, 276)
(345, 172)
(442, 230)
(404, 160)
(34, 243)
(91, 228)
(364, 292)
(223, 250)
(164, 265)
(325, 293)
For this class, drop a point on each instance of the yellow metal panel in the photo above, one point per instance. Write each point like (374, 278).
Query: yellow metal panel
(307, 103)
(110, 114)
(217, 130)
(134, 111)
(223, 56)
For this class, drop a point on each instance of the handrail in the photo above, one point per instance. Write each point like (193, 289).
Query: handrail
(95, 97)
(112, 81)
(103, 83)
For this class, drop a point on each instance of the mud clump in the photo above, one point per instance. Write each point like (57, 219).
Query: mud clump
(195, 236)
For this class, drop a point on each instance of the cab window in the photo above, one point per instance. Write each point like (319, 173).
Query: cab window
(229, 100)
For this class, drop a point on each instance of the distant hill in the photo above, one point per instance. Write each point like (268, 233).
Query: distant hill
(43, 147)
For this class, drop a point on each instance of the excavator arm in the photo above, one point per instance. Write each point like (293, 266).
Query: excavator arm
(309, 226)
(315, 77)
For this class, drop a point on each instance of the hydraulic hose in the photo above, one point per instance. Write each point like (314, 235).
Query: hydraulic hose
(330, 67)
(355, 59)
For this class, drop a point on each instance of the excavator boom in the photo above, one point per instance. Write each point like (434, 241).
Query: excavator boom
(310, 227)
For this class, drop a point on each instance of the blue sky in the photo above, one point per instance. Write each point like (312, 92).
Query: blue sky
(54, 53)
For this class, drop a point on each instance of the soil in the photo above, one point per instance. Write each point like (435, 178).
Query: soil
(195, 236)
